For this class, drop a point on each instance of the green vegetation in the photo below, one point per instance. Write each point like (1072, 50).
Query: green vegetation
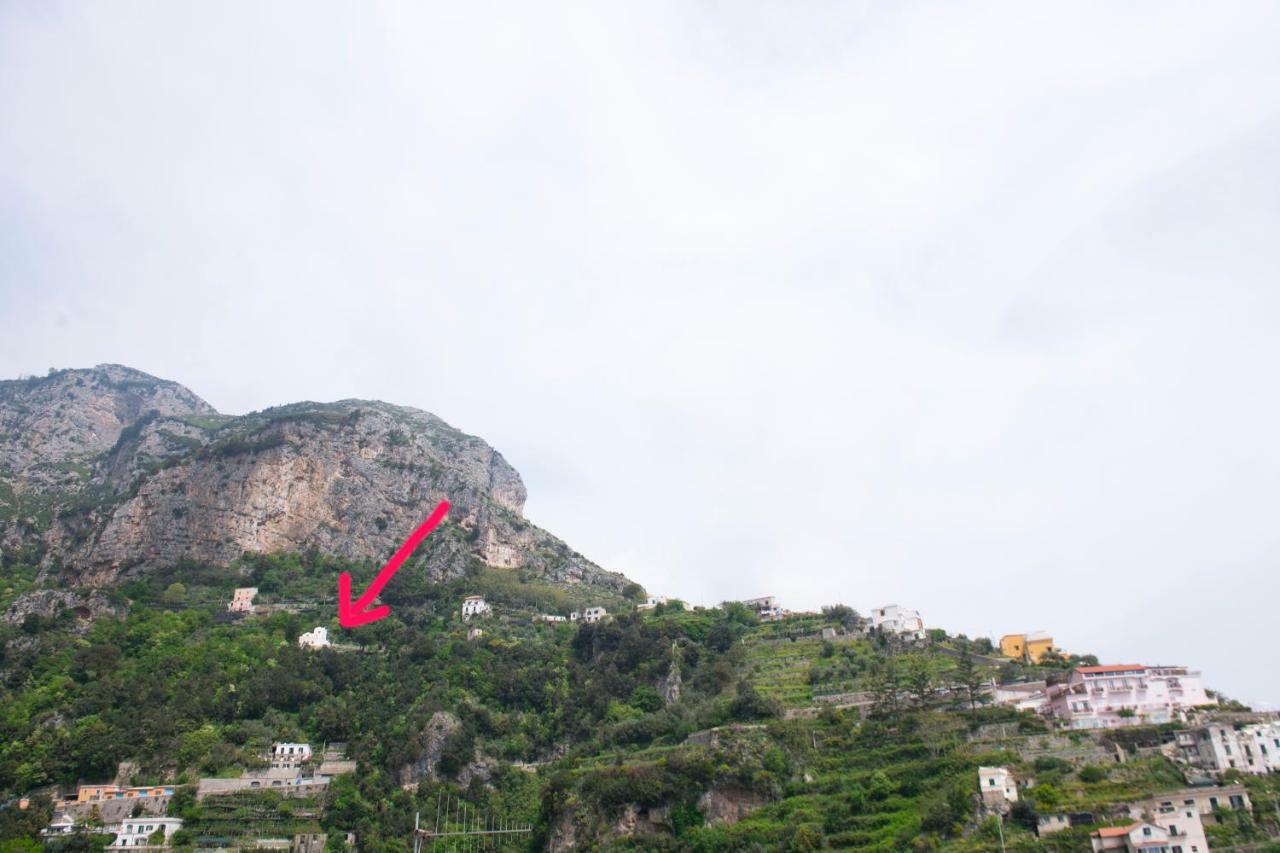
(566, 728)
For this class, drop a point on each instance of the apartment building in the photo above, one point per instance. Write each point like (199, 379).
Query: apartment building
(1113, 696)
(1219, 747)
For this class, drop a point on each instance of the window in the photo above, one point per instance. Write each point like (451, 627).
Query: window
(991, 782)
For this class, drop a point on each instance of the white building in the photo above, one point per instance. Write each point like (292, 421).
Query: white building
(136, 832)
(766, 608)
(62, 824)
(1134, 838)
(1216, 748)
(474, 605)
(594, 614)
(242, 599)
(654, 601)
(999, 788)
(895, 619)
(1025, 695)
(1108, 697)
(549, 617)
(316, 638)
(1182, 822)
(289, 754)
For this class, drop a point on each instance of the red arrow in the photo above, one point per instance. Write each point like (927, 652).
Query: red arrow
(354, 615)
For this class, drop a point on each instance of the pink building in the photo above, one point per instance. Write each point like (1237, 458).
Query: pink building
(1108, 697)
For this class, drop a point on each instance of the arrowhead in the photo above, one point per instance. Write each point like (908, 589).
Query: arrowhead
(353, 615)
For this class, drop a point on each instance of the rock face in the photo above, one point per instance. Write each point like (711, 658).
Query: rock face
(435, 735)
(725, 805)
(109, 470)
(49, 603)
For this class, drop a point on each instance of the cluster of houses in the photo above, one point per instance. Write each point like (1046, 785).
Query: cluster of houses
(1168, 823)
(1112, 696)
(475, 605)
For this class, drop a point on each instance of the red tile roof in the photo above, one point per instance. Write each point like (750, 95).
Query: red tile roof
(1115, 831)
(1115, 667)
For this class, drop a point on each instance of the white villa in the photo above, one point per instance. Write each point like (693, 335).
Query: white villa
(136, 832)
(289, 754)
(1108, 697)
(895, 619)
(475, 605)
(766, 608)
(316, 638)
(594, 614)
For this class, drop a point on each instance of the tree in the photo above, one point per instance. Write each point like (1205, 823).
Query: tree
(968, 681)
(884, 685)
(175, 593)
(843, 614)
(918, 678)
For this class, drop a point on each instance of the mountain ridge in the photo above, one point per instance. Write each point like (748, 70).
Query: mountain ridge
(107, 471)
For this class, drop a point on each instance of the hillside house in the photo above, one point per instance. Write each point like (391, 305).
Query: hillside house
(1217, 748)
(290, 754)
(549, 617)
(61, 824)
(594, 614)
(766, 608)
(1023, 695)
(316, 638)
(136, 832)
(97, 793)
(1182, 822)
(1205, 801)
(242, 599)
(999, 788)
(1133, 838)
(1113, 696)
(895, 619)
(1027, 647)
(655, 600)
(475, 605)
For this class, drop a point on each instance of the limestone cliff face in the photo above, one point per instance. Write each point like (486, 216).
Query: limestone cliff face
(112, 471)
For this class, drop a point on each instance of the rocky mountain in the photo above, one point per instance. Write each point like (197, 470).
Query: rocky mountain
(107, 471)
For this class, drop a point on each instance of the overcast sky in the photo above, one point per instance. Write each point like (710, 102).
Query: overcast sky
(972, 308)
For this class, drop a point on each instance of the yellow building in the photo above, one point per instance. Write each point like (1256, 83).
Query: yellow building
(1029, 647)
